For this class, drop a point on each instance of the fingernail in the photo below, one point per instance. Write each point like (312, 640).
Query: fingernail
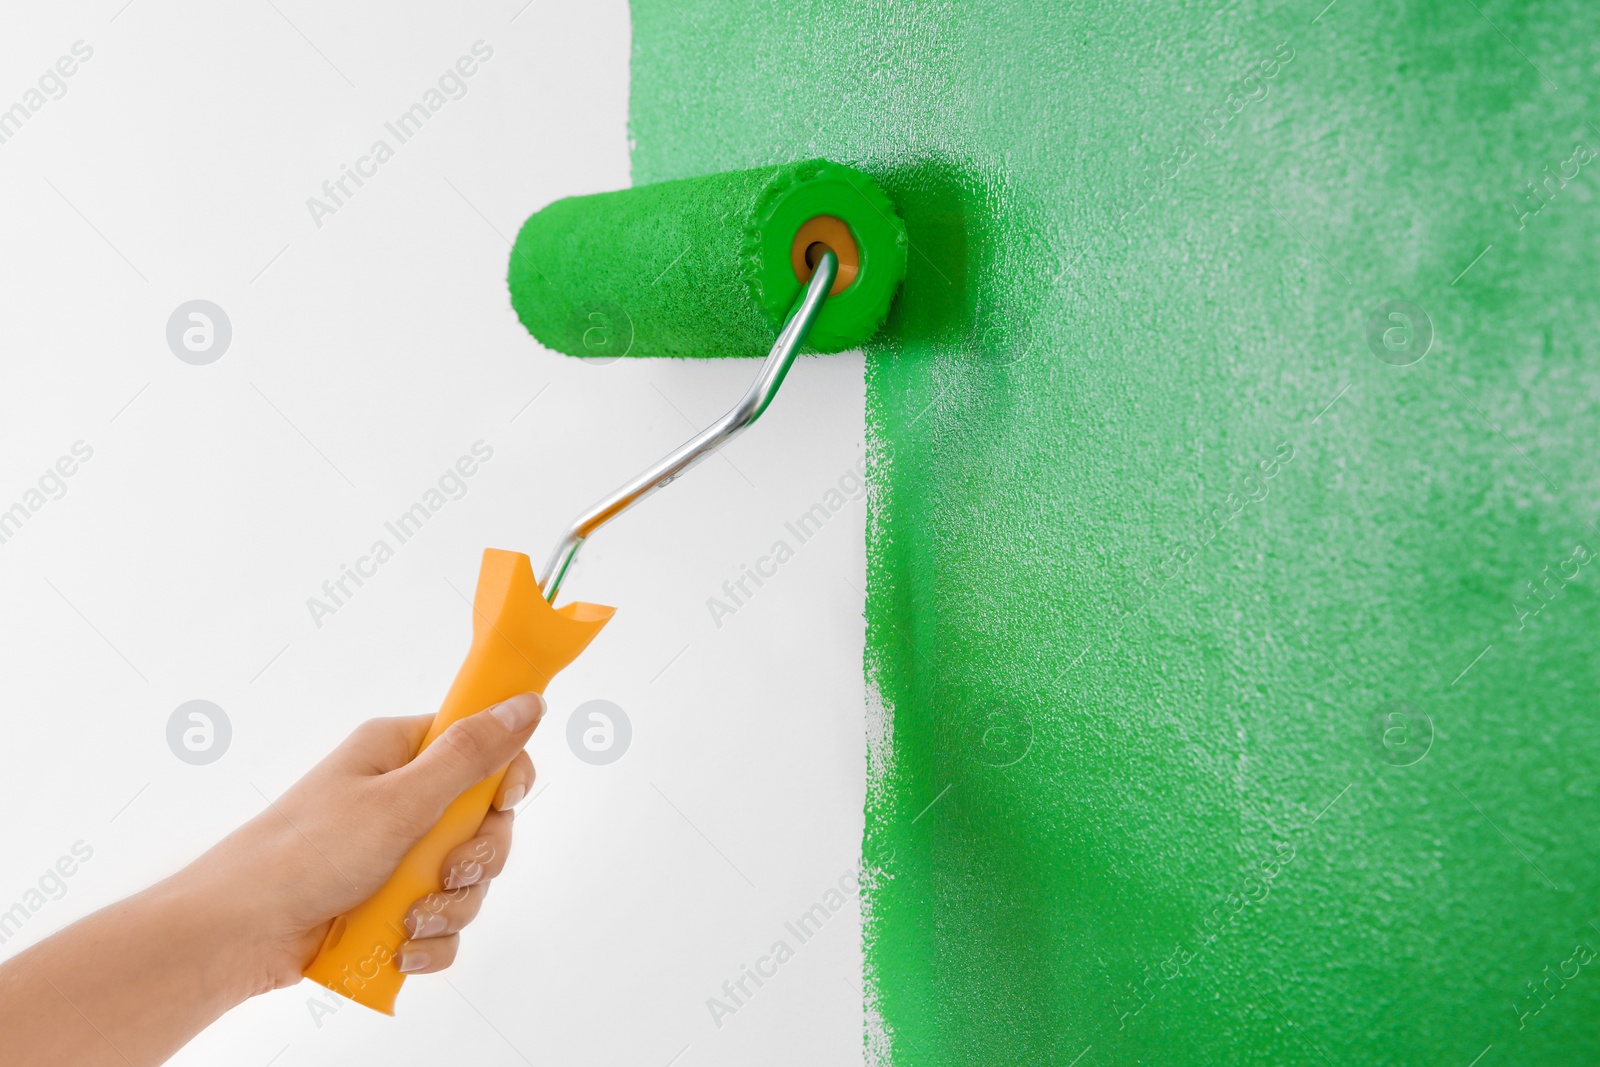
(412, 958)
(513, 796)
(465, 873)
(425, 924)
(520, 712)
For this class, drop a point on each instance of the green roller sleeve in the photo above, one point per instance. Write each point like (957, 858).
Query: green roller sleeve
(702, 266)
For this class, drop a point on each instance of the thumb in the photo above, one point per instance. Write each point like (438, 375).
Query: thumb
(470, 750)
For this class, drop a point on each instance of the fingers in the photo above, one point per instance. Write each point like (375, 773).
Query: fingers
(469, 751)
(439, 914)
(427, 956)
(483, 857)
(517, 783)
(435, 922)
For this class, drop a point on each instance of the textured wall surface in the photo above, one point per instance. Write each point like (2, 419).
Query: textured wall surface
(1233, 627)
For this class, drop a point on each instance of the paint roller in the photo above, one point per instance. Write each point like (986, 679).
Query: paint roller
(710, 266)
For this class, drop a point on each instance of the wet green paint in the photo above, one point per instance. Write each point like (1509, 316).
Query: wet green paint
(1171, 575)
(647, 271)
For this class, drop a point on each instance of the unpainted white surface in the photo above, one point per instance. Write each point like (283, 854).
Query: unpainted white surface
(368, 353)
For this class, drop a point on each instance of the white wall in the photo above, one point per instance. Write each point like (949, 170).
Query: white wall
(367, 355)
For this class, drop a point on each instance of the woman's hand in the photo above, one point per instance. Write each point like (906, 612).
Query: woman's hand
(337, 835)
(132, 983)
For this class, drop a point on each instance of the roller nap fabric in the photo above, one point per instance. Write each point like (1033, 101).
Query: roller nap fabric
(701, 266)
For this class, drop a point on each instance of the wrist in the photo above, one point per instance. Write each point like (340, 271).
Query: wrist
(212, 927)
(246, 887)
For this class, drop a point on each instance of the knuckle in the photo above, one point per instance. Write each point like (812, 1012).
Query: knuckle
(368, 729)
(384, 742)
(372, 732)
(489, 853)
(465, 744)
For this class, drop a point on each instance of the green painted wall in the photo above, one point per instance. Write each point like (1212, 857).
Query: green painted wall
(1157, 535)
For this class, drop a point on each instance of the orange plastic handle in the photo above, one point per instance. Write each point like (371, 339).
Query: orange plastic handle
(519, 642)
